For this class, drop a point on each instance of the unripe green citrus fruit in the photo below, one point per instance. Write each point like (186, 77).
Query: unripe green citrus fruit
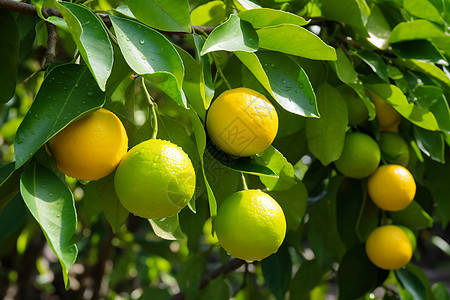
(155, 179)
(394, 148)
(360, 156)
(250, 225)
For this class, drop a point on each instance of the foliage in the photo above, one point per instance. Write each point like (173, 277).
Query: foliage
(61, 60)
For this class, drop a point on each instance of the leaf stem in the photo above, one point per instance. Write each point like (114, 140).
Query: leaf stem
(219, 70)
(154, 109)
(244, 181)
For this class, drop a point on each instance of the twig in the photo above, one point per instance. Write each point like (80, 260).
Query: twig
(232, 265)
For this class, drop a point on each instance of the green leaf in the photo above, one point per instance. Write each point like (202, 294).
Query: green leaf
(305, 44)
(378, 28)
(432, 70)
(267, 17)
(152, 56)
(326, 135)
(9, 183)
(51, 203)
(307, 277)
(274, 160)
(11, 217)
(423, 9)
(357, 275)
(217, 289)
(437, 182)
(248, 4)
(91, 38)
(431, 143)
(209, 14)
(9, 55)
(344, 68)
(294, 204)
(205, 62)
(432, 98)
(413, 217)
(374, 61)
(348, 12)
(233, 35)
(167, 228)
(164, 15)
(277, 269)
(289, 83)
(67, 92)
(421, 30)
(412, 283)
(190, 274)
(393, 95)
(113, 210)
(419, 49)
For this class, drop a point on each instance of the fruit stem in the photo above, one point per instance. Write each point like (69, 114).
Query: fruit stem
(154, 108)
(244, 181)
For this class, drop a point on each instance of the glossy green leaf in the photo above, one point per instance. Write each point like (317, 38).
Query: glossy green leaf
(206, 74)
(356, 275)
(374, 61)
(432, 98)
(412, 283)
(326, 135)
(419, 49)
(432, 70)
(346, 11)
(289, 83)
(233, 35)
(440, 291)
(413, 217)
(9, 55)
(91, 38)
(164, 15)
(266, 17)
(277, 269)
(167, 228)
(67, 92)
(294, 204)
(11, 217)
(247, 4)
(438, 182)
(393, 95)
(421, 30)
(306, 44)
(209, 14)
(431, 143)
(151, 55)
(113, 210)
(26, 25)
(9, 183)
(275, 160)
(51, 203)
(423, 9)
(378, 28)
(344, 68)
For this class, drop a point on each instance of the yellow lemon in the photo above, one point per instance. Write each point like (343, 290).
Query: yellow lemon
(391, 187)
(250, 225)
(388, 247)
(90, 148)
(155, 179)
(242, 122)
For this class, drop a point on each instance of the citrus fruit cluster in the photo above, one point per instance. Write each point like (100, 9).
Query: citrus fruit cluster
(155, 179)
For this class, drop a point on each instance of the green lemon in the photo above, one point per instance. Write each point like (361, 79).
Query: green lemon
(155, 179)
(360, 156)
(394, 148)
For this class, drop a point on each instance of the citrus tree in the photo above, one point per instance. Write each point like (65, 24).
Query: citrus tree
(272, 149)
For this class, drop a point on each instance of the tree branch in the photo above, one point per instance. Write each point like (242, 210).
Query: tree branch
(232, 265)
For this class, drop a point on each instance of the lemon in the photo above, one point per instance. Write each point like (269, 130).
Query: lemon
(388, 247)
(242, 122)
(92, 147)
(155, 179)
(394, 148)
(360, 156)
(388, 117)
(357, 110)
(391, 187)
(250, 225)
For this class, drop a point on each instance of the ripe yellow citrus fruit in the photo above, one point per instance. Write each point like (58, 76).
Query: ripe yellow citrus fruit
(391, 187)
(388, 247)
(242, 122)
(394, 148)
(388, 117)
(155, 179)
(360, 156)
(90, 148)
(250, 225)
